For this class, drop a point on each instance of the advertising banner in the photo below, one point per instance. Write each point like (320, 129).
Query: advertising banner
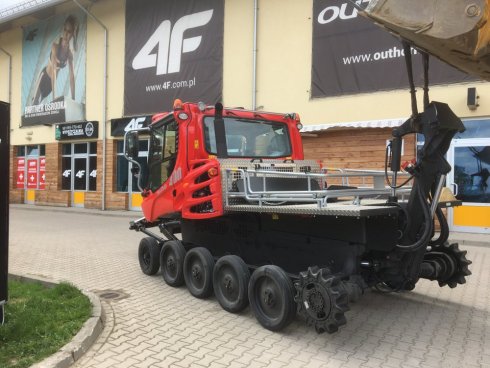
(85, 129)
(42, 172)
(32, 173)
(53, 69)
(21, 167)
(174, 49)
(119, 127)
(352, 55)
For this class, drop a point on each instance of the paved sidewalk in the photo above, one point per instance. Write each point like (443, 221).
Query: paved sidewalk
(149, 324)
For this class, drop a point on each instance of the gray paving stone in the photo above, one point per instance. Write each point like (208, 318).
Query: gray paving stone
(161, 326)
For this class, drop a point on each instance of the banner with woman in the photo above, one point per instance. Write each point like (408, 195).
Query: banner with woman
(53, 70)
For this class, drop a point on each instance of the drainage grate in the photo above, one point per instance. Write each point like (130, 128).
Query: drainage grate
(111, 295)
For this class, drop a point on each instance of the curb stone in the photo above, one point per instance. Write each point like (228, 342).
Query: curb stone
(83, 340)
(81, 211)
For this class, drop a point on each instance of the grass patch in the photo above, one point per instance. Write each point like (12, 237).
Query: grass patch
(39, 321)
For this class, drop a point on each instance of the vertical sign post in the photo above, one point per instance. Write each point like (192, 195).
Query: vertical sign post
(4, 203)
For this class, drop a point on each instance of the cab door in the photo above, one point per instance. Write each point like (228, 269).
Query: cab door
(163, 169)
(470, 182)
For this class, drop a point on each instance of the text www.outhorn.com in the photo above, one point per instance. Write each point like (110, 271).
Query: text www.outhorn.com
(392, 53)
(171, 85)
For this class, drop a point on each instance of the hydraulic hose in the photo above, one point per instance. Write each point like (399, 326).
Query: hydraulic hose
(390, 184)
(427, 230)
(444, 233)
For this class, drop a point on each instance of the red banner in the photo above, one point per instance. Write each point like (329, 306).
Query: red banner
(21, 165)
(42, 172)
(32, 174)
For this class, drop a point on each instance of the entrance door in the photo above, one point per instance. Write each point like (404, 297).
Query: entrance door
(470, 181)
(31, 167)
(79, 170)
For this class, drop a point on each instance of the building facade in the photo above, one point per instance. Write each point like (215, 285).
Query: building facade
(77, 78)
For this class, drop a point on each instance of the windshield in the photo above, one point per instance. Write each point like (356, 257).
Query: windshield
(162, 154)
(249, 138)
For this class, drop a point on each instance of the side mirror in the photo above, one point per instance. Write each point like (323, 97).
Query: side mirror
(131, 145)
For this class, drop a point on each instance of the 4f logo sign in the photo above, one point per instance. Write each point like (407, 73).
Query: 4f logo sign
(170, 44)
(135, 123)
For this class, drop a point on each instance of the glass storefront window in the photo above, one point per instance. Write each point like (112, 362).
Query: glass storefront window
(120, 146)
(80, 148)
(92, 174)
(472, 173)
(66, 149)
(475, 129)
(66, 173)
(142, 147)
(31, 167)
(93, 147)
(32, 150)
(122, 172)
(80, 173)
(471, 166)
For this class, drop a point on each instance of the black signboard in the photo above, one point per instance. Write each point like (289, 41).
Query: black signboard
(4, 203)
(81, 130)
(174, 49)
(353, 55)
(119, 127)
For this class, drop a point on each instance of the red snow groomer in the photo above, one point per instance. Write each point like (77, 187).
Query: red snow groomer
(243, 215)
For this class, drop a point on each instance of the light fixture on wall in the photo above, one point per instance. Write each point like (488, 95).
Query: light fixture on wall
(29, 135)
(472, 99)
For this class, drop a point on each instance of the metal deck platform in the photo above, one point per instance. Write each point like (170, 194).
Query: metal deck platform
(300, 187)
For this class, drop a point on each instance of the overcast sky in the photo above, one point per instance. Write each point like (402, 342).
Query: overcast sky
(5, 4)
(8, 3)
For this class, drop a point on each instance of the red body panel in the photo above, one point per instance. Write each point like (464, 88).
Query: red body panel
(189, 186)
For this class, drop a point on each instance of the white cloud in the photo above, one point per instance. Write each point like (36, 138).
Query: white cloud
(5, 4)
(9, 8)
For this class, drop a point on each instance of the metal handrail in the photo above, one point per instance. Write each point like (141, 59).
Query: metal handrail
(320, 197)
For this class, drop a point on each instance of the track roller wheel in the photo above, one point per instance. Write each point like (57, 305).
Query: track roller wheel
(230, 283)
(172, 262)
(454, 262)
(198, 272)
(149, 256)
(271, 295)
(321, 299)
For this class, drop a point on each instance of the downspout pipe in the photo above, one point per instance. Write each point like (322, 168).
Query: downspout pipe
(104, 102)
(10, 74)
(254, 61)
